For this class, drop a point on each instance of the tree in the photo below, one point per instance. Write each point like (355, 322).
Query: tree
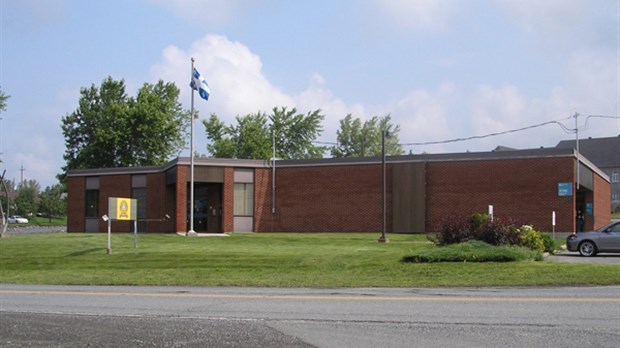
(25, 202)
(252, 136)
(3, 99)
(53, 202)
(357, 139)
(110, 129)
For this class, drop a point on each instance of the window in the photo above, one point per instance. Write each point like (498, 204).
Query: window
(92, 203)
(615, 176)
(615, 197)
(139, 194)
(244, 199)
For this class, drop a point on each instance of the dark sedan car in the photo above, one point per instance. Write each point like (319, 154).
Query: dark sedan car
(604, 240)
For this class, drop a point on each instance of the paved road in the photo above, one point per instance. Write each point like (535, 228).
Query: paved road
(67, 316)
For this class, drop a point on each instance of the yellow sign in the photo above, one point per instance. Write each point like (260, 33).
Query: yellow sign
(123, 209)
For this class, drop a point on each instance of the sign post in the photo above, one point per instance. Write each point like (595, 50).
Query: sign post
(124, 209)
(553, 223)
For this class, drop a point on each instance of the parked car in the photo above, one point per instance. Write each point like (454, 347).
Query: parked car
(604, 240)
(16, 219)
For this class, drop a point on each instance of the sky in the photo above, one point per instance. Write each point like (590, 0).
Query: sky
(443, 69)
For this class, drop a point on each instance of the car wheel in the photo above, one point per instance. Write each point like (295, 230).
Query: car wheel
(587, 248)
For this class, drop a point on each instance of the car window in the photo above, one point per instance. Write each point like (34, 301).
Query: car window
(614, 228)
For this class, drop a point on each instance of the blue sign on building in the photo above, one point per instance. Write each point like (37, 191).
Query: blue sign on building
(589, 209)
(565, 189)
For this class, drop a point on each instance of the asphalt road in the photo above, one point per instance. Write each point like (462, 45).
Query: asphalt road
(69, 316)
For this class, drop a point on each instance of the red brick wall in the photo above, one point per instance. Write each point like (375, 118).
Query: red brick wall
(181, 199)
(518, 188)
(228, 194)
(114, 186)
(601, 202)
(157, 205)
(262, 200)
(323, 199)
(76, 205)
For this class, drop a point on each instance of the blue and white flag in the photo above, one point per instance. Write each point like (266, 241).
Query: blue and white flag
(200, 84)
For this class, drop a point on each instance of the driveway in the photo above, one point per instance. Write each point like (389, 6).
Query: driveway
(30, 229)
(574, 257)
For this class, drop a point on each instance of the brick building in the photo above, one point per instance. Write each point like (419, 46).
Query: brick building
(345, 195)
(605, 154)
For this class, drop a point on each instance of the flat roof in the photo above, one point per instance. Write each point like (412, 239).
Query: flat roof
(244, 163)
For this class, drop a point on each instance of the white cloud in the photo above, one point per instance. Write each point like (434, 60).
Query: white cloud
(239, 86)
(451, 110)
(205, 12)
(565, 24)
(234, 74)
(419, 14)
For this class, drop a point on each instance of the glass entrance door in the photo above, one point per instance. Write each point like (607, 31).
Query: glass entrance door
(207, 207)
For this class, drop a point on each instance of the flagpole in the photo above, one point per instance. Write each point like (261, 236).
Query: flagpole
(191, 231)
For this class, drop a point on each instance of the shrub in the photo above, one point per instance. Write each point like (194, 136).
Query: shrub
(472, 251)
(498, 233)
(477, 227)
(454, 230)
(530, 238)
(548, 242)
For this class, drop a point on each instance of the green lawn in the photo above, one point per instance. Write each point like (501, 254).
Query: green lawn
(266, 260)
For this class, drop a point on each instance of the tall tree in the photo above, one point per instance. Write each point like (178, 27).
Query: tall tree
(252, 136)
(53, 202)
(111, 129)
(357, 139)
(25, 202)
(3, 99)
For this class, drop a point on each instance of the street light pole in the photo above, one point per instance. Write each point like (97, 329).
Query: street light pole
(383, 238)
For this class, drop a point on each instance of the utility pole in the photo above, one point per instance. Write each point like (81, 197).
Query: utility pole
(22, 169)
(577, 146)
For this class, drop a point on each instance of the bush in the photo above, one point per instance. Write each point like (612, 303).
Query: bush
(548, 242)
(531, 239)
(453, 231)
(498, 233)
(477, 227)
(472, 251)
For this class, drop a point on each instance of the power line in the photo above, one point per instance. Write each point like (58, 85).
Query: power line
(474, 137)
(490, 134)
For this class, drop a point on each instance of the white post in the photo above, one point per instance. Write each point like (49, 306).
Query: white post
(553, 223)
(491, 213)
(135, 234)
(109, 236)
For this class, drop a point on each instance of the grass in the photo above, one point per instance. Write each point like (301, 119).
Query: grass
(44, 221)
(266, 260)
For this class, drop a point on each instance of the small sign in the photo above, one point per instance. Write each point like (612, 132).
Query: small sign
(589, 209)
(123, 212)
(122, 208)
(565, 189)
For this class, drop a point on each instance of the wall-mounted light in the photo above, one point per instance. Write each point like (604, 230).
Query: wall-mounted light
(105, 218)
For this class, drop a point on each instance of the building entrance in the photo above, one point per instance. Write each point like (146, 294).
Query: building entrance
(207, 207)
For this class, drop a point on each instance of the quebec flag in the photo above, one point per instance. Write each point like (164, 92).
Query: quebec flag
(200, 84)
